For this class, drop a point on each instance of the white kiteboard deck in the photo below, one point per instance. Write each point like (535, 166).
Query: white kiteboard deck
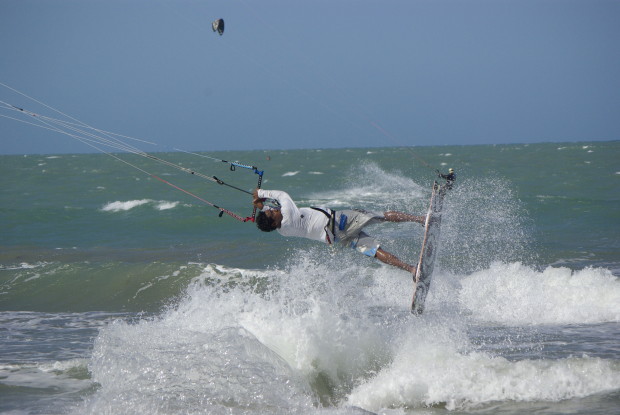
(432, 226)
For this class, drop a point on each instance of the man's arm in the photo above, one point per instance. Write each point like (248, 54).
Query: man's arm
(257, 201)
(286, 205)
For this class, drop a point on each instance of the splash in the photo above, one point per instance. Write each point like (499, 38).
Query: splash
(484, 222)
(291, 339)
(326, 332)
(368, 186)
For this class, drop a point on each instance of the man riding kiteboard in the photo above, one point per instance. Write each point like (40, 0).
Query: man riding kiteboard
(329, 226)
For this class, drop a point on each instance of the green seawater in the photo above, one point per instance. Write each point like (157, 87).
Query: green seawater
(96, 223)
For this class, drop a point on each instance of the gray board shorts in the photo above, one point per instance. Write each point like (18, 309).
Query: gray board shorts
(348, 231)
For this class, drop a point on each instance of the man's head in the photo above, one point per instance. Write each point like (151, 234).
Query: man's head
(265, 222)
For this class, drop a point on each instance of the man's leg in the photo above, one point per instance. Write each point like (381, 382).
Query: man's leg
(393, 216)
(390, 259)
(368, 246)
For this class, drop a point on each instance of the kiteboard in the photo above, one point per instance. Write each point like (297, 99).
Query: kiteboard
(424, 272)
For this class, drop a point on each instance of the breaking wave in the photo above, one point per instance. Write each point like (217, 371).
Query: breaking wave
(119, 206)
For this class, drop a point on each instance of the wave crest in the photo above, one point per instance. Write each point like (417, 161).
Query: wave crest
(120, 206)
(515, 294)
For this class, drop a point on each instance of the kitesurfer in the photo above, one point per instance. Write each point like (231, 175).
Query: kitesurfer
(450, 177)
(328, 226)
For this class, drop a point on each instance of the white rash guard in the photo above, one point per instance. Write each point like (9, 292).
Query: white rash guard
(303, 222)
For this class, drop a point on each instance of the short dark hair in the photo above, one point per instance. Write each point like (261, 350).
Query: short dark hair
(264, 222)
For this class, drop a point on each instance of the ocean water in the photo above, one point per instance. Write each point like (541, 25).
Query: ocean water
(121, 294)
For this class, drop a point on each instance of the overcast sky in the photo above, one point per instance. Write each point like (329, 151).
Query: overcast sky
(312, 73)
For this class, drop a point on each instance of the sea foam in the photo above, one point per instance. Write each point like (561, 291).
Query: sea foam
(120, 206)
(516, 294)
(429, 372)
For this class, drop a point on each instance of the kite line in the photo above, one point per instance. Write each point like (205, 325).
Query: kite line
(106, 141)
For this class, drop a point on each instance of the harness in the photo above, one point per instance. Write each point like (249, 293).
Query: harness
(331, 216)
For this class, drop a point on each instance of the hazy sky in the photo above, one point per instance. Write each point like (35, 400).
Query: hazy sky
(313, 73)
